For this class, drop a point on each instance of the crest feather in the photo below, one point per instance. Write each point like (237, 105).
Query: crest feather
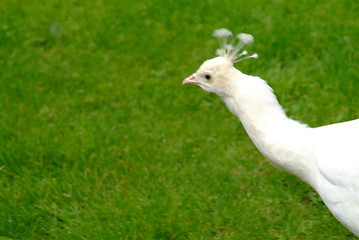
(231, 50)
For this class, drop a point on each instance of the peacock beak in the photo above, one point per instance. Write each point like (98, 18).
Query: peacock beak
(191, 80)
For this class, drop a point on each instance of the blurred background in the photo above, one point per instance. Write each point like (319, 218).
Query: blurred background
(99, 139)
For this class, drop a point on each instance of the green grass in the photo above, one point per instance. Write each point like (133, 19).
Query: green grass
(99, 140)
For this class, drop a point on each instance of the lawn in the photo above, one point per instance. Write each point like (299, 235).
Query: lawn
(99, 139)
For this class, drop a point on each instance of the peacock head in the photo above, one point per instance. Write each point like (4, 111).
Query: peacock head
(213, 73)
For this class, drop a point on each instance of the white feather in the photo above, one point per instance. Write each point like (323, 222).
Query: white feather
(231, 51)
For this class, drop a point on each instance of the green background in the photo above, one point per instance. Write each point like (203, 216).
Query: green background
(99, 139)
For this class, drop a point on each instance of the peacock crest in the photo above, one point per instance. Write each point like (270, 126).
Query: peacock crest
(231, 50)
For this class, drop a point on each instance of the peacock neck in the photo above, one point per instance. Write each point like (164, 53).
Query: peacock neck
(283, 141)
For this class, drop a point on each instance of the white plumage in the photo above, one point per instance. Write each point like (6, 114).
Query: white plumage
(327, 158)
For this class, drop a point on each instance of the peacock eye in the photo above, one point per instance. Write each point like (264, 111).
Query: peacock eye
(207, 76)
